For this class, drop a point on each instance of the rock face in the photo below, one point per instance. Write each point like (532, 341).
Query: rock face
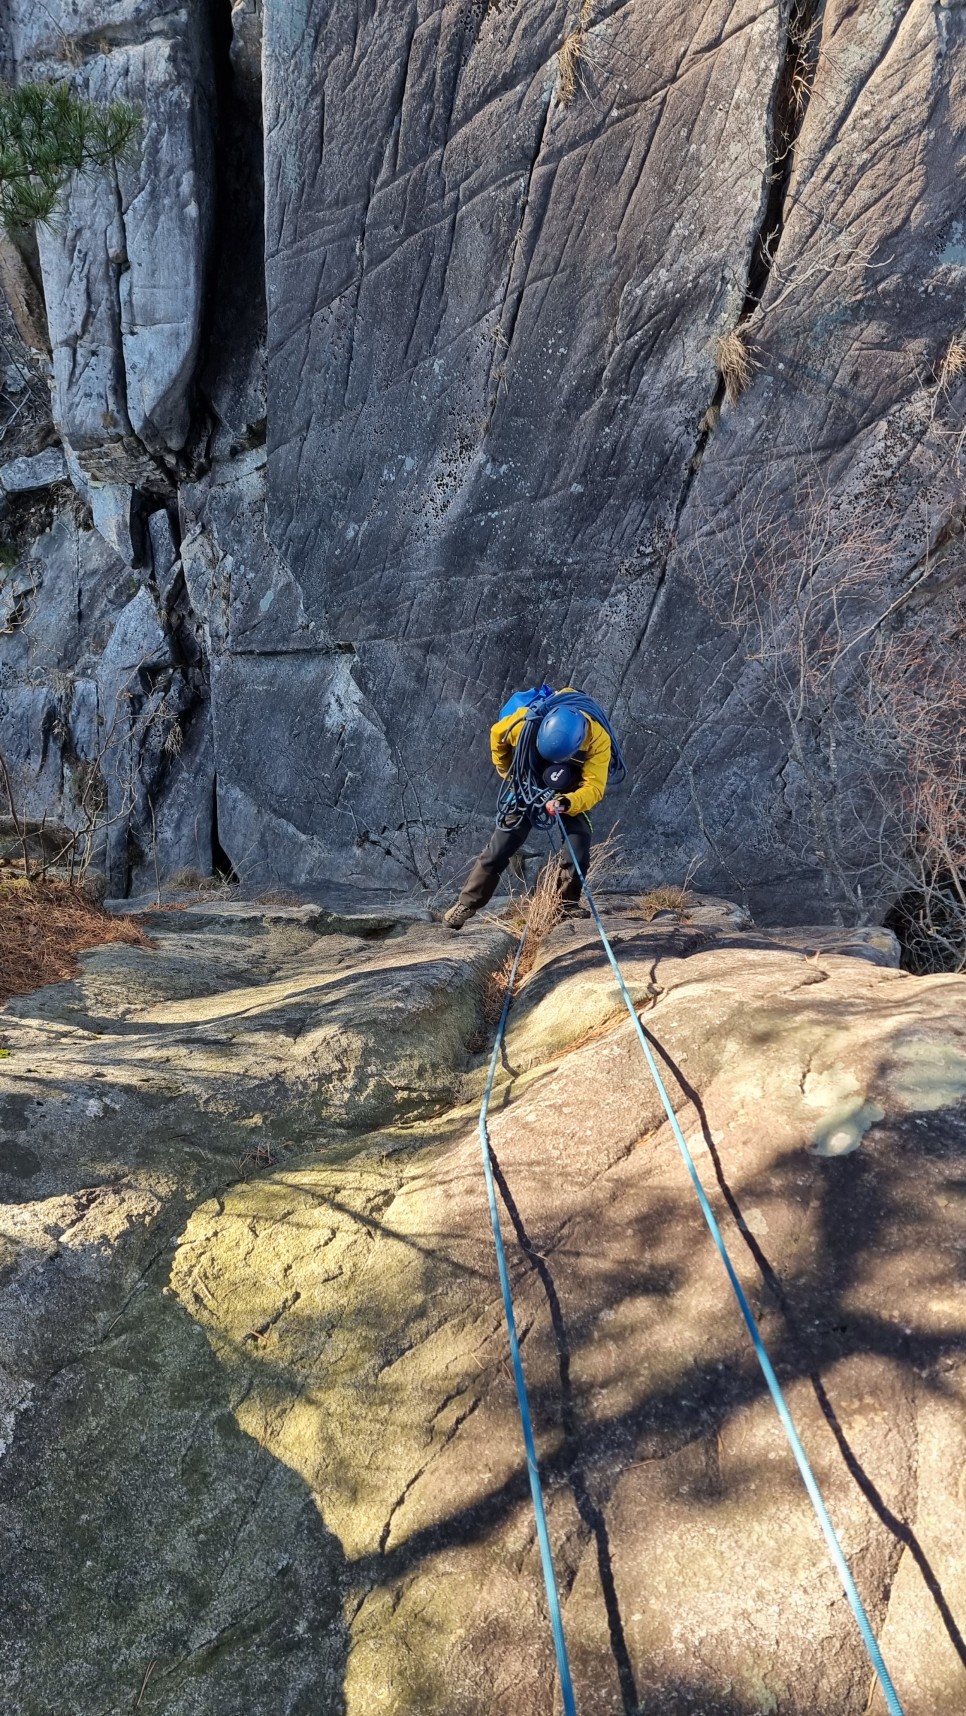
(124, 275)
(104, 705)
(261, 1446)
(503, 440)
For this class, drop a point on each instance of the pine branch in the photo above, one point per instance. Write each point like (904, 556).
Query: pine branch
(47, 133)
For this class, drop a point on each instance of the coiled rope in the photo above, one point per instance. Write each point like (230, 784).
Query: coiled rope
(523, 792)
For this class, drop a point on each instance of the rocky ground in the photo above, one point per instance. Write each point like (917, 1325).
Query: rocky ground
(260, 1445)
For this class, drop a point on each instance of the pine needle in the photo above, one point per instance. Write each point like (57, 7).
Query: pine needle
(47, 133)
(43, 927)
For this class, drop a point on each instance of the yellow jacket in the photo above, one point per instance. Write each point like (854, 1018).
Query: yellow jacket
(594, 759)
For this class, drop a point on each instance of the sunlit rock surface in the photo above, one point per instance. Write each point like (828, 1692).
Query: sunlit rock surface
(261, 1448)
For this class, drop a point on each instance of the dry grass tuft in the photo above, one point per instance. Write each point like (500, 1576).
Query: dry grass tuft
(735, 362)
(497, 985)
(189, 881)
(540, 909)
(44, 926)
(952, 365)
(568, 60)
(607, 862)
(572, 52)
(665, 899)
(187, 878)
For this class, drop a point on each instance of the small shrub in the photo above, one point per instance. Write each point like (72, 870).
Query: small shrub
(804, 36)
(930, 925)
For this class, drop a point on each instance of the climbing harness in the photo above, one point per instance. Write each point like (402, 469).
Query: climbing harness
(774, 1386)
(533, 1470)
(523, 791)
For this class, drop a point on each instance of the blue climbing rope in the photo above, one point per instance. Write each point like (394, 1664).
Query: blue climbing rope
(533, 1469)
(774, 1386)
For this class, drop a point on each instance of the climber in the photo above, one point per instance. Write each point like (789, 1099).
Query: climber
(555, 753)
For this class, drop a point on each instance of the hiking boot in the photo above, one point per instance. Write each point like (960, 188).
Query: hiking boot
(458, 915)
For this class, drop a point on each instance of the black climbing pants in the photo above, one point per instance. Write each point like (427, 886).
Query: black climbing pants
(486, 872)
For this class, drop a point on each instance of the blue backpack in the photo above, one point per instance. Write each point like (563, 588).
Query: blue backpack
(522, 699)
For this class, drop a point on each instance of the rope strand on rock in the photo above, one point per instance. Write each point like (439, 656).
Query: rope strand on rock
(774, 1386)
(533, 1469)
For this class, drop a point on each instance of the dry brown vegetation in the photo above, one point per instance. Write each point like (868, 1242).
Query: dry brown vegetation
(864, 656)
(917, 695)
(568, 60)
(538, 910)
(664, 899)
(44, 926)
(497, 984)
(735, 363)
(572, 51)
(952, 364)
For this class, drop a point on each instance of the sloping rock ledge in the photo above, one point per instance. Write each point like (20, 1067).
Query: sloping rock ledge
(260, 1446)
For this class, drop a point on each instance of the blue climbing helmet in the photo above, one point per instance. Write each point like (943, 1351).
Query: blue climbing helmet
(542, 739)
(561, 734)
